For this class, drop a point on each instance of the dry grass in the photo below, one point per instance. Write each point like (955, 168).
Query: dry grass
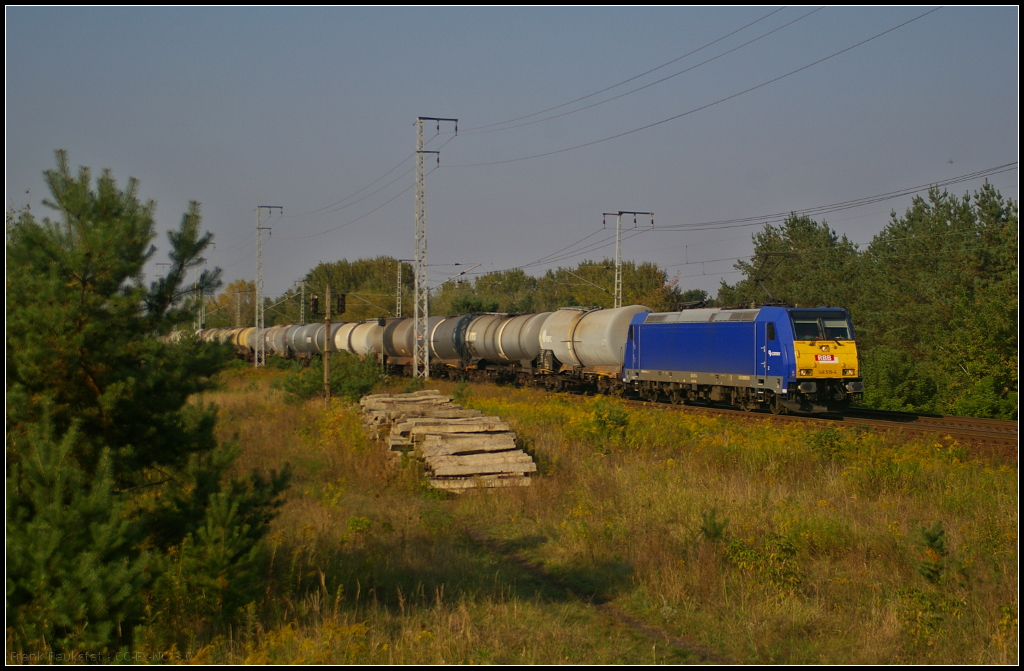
(818, 561)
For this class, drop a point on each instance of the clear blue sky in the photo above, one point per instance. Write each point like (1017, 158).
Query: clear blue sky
(303, 107)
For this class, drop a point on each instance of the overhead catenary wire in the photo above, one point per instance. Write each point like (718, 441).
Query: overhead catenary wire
(332, 208)
(571, 250)
(352, 221)
(602, 244)
(843, 205)
(249, 234)
(353, 194)
(700, 108)
(363, 216)
(654, 83)
(625, 81)
(359, 200)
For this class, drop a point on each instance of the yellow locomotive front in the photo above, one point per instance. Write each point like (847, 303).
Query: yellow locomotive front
(825, 353)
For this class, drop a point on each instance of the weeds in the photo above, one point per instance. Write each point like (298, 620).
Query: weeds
(823, 557)
(414, 384)
(933, 566)
(712, 528)
(461, 393)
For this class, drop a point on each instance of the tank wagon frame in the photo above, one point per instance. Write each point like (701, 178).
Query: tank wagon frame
(783, 359)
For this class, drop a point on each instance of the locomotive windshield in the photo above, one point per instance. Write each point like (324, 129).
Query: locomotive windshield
(808, 325)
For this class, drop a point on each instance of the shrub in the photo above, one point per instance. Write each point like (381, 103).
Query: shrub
(351, 378)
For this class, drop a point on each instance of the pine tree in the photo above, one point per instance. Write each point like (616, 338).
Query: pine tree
(103, 450)
(802, 262)
(938, 308)
(71, 573)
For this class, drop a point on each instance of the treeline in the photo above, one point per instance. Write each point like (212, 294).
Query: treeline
(369, 285)
(933, 299)
(371, 290)
(591, 284)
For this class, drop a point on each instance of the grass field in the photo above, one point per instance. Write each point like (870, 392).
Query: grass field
(647, 536)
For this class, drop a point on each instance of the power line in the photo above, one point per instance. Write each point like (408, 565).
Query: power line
(601, 244)
(626, 81)
(325, 211)
(572, 250)
(843, 205)
(355, 193)
(329, 209)
(245, 239)
(702, 107)
(363, 216)
(352, 221)
(654, 83)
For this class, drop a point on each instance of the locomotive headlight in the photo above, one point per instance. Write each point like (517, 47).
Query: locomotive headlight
(849, 371)
(806, 371)
(824, 348)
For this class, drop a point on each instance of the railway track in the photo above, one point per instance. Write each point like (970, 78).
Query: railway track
(984, 437)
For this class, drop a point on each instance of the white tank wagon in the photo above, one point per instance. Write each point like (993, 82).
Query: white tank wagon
(448, 338)
(321, 337)
(588, 344)
(568, 348)
(275, 339)
(368, 339)
(518, 339)
(289, 339)
(481, 337)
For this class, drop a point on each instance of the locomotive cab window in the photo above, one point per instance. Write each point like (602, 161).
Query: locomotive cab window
(770, 332)
(836, 329)
(820, 325)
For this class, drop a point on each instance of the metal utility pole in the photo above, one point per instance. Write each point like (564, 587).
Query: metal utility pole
(618, 247)
(302, 304)
(327, 350)
(198, 295)
(261, 347)
(421, 350)
(398, 287)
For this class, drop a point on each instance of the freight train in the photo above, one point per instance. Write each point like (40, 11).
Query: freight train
(778, 358)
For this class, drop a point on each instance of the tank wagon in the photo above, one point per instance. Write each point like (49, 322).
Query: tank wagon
(783, 359)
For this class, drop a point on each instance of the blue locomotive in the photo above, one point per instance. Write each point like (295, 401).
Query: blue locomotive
(786, 359)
